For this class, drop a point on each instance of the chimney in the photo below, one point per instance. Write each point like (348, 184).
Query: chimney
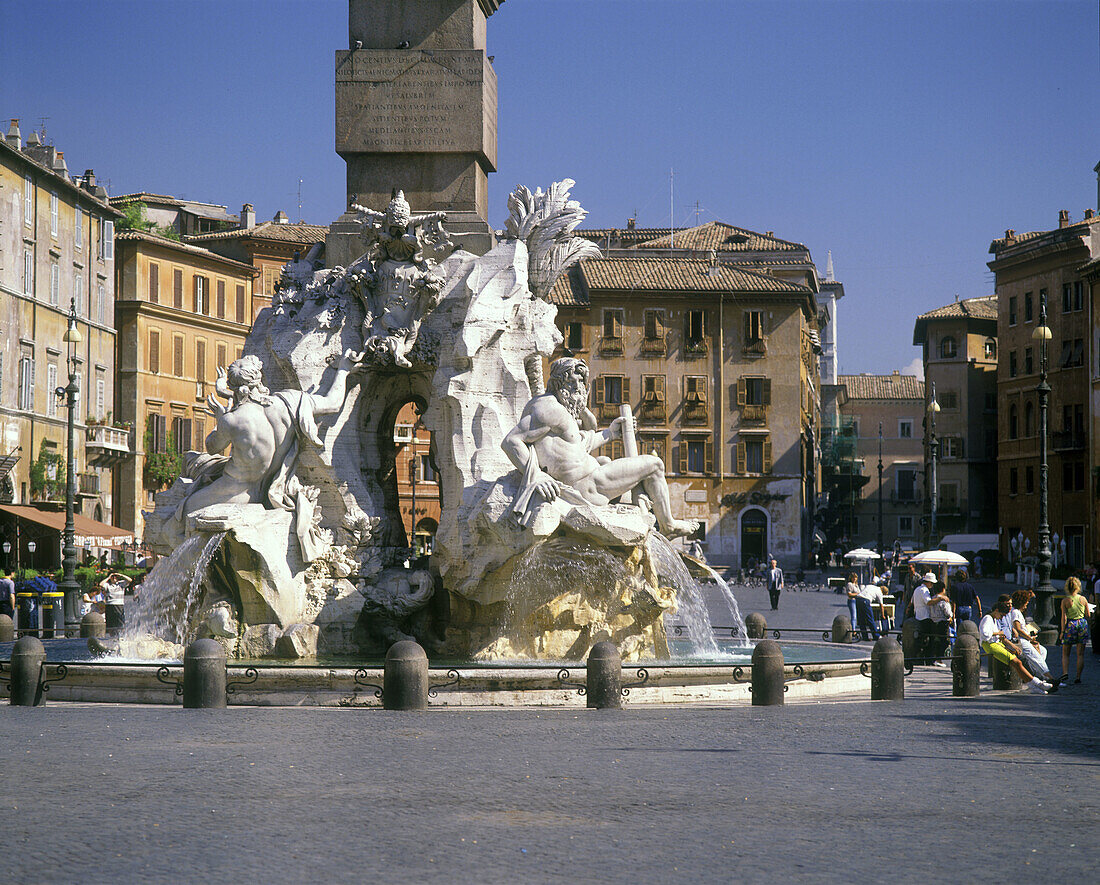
(248, 216)
(630, 222)
(1063, 218)
(33, 140)
(59, 165)
(1089, 214)
(89, 180)
(15, 137)
(281, 217)
(1010, 236)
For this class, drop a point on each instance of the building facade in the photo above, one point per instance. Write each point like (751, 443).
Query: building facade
(56, 251)
(181, 312)
(959, 347)
(1032, 269)
(718, 358)
(882, 416)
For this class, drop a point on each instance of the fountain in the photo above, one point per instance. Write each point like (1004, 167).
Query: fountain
(283, 537)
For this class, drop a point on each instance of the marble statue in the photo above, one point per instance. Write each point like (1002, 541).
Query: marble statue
(398, 606)
(403, 284)
(553, 450)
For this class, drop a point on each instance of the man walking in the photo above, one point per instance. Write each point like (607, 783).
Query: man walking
(775, 584)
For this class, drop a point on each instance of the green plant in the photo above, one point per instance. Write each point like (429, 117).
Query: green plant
(46, 484)
(162, 468)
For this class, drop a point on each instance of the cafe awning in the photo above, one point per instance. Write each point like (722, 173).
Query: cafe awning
(89, 532)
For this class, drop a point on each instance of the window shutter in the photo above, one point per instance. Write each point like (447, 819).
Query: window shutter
(767, 391)
(154, 283)
(200, 360)
(767, 456)
(177, 289)
(108, 241)
(683, 455)
(221, 298)
(240, 304)
(177, 356)
(626, 390)
(660, 324)
(741, 395)
(220, 354)
(599, 390)
(708, 456)
(701, 388)
(154, 351)
(195, 293)
(746, 325)
(659, 387)
(741, 456)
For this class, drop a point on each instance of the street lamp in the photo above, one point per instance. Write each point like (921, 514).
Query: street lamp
(1044, 591)
(880, 541)
(70, 393)
(933, 451)
(7, 552)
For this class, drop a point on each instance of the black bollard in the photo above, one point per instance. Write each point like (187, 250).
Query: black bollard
(968, 627)
(93, 626)
(204, 675)
(756, 625)
(7, 629)
(1005, 678)
(767, 674)
(909, 642)
(27, 658)
(887, 670)
(842, 629)
(605, 677)
(405, 684)
(966, 667)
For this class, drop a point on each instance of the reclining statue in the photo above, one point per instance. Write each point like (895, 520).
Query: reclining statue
(552, 446)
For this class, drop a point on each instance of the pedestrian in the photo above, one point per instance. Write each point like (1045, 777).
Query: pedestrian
(1031, 652)
(865, 597)
(1075, 626)
(928, 631)
(941, 613)
(775, 584)
(7, 594)
(992, 638)
(977, 570)
(968, 607)
(114, 586)
(851, 590)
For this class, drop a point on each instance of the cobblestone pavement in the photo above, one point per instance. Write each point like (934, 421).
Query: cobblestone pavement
(825, 792)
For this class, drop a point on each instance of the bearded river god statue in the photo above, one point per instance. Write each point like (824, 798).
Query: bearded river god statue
(544, 546)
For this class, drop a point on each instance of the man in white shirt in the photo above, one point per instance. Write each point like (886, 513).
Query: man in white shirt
(775, 584)
(992, 638)
(114, 586)
(866, 596)
(926, 637)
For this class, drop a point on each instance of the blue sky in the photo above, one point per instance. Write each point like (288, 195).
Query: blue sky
(901, 136)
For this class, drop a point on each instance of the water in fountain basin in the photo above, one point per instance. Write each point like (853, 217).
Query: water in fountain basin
(168, 599)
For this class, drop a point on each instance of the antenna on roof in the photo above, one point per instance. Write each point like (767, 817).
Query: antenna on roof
(697, 211)
(42, 133)
(299, 201)
(671, 214)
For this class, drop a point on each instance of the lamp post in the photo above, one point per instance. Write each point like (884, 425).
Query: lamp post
(70, 393)
(933, 451)
(1044, 591)
(880, 532)
(7, 553)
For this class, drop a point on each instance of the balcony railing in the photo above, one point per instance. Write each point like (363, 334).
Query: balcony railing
(756, 347)
(654, 346)
(1068, 440)
(652, 411)
(695, 412)
(754, 413)
(695, 347)
(104, 445)
(89, 484)
(611, 344)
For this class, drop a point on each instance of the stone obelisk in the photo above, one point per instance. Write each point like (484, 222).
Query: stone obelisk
(416, 109)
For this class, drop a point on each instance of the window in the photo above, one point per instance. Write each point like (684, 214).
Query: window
(952, 447)
(219, 355)
(1012, 310)
(426, 472)
(158, 433)
(181, 433)
(1029, 480)
(612, 389)
(240, 305)
(754, 456)
(28, 272)
(55, 284)
(989, 349)
(613, 324)
(1078, 295)
(53, 214)
(199, 432)
(653, 396)
(238, 350)
(1073, 476)
(154, 351)
(26, 381)
(905, 526)
(220, 300)
(101, 304)
(154, 283)
(949, 400)
(1029, 360)
(200, 360)
(28, 200)
(100, 394)
(177, 289)
(78, 294)
(654, 445)
(654, 325)
(1013, 480)
(574, 337)
(51, 386)
(78, 230)
(753, 326)
(696, 456)
(949, 496)
(757, 391)
(1012, 369)
(1027, 307)
(948, 348)
(1029, 419)
(201, 295)
(177, 355)
(695, 397)
(906, 480)
(270, 279)
(695, 330)
(106, 240)
(1013, 422)
(905, 429)
(1067, 297)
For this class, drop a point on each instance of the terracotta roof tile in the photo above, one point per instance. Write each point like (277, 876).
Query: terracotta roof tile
(983, 307)
(1002, 243)
(156, 239)
(892, 386)
(145, 197)
(721, 237)
(269, 230)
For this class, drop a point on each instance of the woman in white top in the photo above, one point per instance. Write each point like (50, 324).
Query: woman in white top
(1034, 654)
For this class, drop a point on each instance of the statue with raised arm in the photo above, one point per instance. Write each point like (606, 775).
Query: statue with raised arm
(402, 286)
(553, 443)
(262, 433)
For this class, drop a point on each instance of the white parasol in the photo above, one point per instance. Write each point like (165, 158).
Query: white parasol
(861, 554)
(938, 557)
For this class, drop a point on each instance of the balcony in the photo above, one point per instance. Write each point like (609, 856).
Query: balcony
(756, 347)
(695, 347)
(610, 344)
(652, 411)
(754, 414)
(695, 411)
(89, 485)
(106, 445)
(654, 346)
(1068, 440)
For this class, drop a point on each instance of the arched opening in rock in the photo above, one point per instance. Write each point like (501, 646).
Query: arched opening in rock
(410, 479)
